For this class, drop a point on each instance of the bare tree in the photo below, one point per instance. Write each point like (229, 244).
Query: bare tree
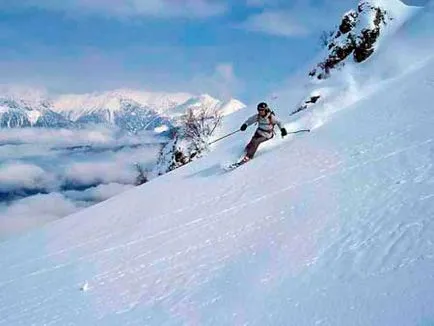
(142, 175)
(190, 139)
(199, 124)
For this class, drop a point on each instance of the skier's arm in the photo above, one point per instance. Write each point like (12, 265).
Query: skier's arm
(249, 121)
(277, 122)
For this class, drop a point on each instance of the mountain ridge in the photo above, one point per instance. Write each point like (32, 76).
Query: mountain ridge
(130, 110)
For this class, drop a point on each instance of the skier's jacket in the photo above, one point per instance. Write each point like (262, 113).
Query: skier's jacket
(265, 124)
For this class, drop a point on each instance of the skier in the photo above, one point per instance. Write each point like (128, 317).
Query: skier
(266, 121)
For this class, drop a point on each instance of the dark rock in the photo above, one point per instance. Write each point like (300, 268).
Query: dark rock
(313, 99)
(305, 105)
(360, 46)
(348, 22)
(364, 48)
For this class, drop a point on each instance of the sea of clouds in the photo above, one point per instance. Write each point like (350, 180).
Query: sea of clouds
(47, 174)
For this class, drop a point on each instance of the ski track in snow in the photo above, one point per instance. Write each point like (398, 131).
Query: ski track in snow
(197, 223)
(396, 242)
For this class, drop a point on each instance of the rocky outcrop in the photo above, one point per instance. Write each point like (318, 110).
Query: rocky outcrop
(354, 38)
(307, 103)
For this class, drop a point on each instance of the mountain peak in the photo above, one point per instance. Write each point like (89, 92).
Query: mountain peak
(126, 108)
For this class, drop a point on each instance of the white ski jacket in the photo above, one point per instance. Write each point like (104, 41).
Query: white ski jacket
(265, 124)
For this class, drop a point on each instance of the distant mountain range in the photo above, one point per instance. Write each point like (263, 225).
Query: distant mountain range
(129, 110)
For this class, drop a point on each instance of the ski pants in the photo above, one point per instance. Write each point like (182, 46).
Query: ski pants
(254, 143)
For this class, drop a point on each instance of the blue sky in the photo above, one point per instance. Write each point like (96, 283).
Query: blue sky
(244, 48)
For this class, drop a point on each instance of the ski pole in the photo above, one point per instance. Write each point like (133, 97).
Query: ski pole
(215, 141)
(297, 131)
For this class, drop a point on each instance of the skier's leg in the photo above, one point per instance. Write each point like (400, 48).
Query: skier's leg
(253, 145)
(248, 148)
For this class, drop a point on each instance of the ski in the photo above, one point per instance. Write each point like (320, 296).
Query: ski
(234, 165)
(237, 164)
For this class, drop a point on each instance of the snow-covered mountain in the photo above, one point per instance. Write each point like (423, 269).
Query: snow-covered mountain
(199, 102)
(16, 113)
(334, 227)
(128, 109)
(76, 106)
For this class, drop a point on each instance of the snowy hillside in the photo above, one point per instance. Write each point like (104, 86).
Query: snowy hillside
(334, 227)
(127, 109)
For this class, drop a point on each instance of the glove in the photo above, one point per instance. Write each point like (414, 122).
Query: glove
(243, 127)
(283, 132)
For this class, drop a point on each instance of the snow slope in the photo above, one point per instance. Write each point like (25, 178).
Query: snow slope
(334, 227)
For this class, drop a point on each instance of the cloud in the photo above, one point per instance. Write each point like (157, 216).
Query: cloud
(33, 160)
(89, 173)
(275, 22)
(17, 175)
(83, 157)
(261, 3)
(255, 3)
(222, 83)
(297, 18)
(226, 81)
(111, 167)
(126, 8)
(95, 136)
(98, 193)
(23, 92)
(13, 152)
(31, 212)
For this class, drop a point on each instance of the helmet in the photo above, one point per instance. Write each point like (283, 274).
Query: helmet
(262, 105)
